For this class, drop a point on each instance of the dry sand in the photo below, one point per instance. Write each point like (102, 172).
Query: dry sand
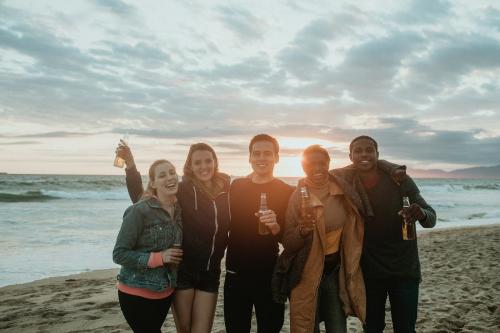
(460, 292)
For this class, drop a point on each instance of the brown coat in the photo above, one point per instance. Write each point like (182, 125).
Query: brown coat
(303, 298)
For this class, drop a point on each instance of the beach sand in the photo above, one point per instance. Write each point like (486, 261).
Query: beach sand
(460, 292)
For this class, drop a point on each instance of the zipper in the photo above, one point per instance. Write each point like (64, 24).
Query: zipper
(195, 198)
(213, 238)
(229, 204)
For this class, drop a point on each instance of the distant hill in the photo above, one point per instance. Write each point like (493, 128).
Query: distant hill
(492, 172)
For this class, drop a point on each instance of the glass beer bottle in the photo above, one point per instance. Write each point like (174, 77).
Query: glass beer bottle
(409, 228)
(263, 230)
(120, 162)
(306, 209)
(175, 267)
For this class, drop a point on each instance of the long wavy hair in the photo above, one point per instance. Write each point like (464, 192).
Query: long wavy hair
(150, 191)
(188, 171)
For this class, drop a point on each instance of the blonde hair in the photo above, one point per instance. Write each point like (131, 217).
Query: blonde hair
(150, 191)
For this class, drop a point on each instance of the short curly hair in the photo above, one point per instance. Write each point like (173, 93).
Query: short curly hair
(360, 138)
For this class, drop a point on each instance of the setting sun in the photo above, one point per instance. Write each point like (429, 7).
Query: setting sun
(291, 154)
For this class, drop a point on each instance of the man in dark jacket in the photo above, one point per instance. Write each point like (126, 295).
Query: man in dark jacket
(390, 264)
(251, 257)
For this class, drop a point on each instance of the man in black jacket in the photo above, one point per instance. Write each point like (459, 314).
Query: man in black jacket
(391, 266)
(250, 256)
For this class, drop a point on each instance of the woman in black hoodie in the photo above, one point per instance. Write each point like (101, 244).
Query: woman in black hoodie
(203, 197)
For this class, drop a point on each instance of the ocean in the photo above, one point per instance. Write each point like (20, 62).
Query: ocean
(52, 225)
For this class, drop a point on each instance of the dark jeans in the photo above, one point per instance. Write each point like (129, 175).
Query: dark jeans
(241, 294)
(403, 297)
(144, 315)
(329, 307)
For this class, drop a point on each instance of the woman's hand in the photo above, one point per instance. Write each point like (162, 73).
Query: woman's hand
(306, 230)
(171, 256)
(123, 151)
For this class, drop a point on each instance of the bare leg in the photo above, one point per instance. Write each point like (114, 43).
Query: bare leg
(203, 311)
(183, 306)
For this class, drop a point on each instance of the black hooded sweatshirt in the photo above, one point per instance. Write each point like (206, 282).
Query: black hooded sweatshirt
(205, 221)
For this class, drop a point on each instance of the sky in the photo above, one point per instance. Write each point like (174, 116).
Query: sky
(422, 77)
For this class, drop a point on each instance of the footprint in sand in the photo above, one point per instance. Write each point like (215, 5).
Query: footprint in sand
(92, 317)
(108, 305)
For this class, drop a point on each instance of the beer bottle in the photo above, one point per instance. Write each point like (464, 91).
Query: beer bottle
(306, 209)
(120, 162)
(175, 267)
(263, 230)
(409, 228)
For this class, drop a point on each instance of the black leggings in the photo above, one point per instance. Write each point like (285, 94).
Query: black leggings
(144, 315)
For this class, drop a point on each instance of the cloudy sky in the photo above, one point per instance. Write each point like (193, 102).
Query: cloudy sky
(422, 77)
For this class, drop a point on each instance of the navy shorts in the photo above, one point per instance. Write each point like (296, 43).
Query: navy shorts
(202, 280)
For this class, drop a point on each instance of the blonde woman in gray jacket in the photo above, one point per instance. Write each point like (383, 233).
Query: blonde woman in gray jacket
(145, 250)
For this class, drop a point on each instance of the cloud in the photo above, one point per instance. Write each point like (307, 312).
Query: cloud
(370, 68)
(492, 18)
(183, 133)
(241, 22)
(15, 143)
(406, 139)
(425, 75)
(250, 69)
(142, 52)
(303, 57)
(58, 134)
(116, 6)
(424, 12)
(409, 140)
(49, 52)
(452, 58)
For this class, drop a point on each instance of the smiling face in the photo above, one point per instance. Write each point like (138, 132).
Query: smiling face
(263, 158)
(203, 165)
(364, 155)
(165, 181)
(316, 165)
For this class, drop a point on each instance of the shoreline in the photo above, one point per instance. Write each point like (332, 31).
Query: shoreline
(460, 292)
(422, 232)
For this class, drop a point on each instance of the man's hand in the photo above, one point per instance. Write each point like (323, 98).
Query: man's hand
(398, 176)
(268, 217)
(123, 151)
(413, 213)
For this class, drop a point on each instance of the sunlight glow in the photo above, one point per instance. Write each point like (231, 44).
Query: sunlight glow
(289, 166)
(301, 143)
(291, 154)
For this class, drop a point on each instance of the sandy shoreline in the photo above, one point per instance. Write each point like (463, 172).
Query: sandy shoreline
(460, 292)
